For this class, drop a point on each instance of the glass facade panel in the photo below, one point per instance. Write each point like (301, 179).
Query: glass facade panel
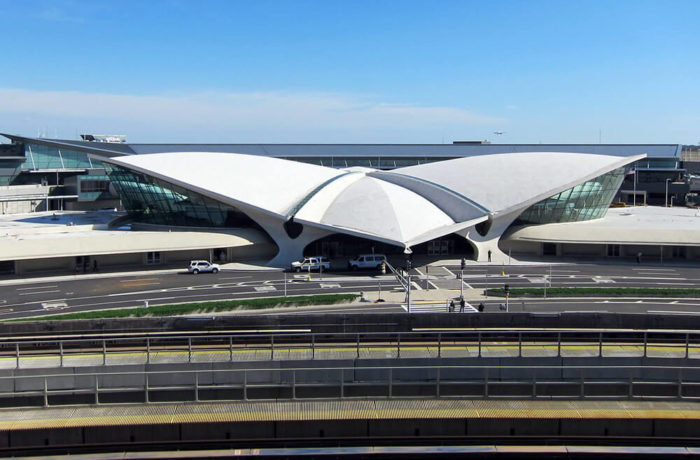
(43, 157)
(154, 201)
(586, 201)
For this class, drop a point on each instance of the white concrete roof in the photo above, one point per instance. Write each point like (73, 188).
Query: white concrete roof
(63, 234)
(502, 182)
(383, 209)
(405, 206)
(269, 184)
(650, 225)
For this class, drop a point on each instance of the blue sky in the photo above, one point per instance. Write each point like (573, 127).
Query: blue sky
(353, 71)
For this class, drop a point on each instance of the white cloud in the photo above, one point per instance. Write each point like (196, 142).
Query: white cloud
(238, 117)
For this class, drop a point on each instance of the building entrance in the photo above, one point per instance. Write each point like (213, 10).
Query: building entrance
(334, 246)
(448, 245)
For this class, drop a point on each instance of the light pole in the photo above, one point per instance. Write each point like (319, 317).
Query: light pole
(407, 254)
(634, 182)
(666, 201)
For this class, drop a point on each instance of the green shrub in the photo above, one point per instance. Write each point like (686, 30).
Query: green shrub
(206, 307)
(597, 292)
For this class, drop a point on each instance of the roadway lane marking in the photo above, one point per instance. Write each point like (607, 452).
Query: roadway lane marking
(54, 305)
(674, 284)
(676, 312)
(585, 311)
(536, 280)
(41, 292)
(140, 283)
(655, 269)
(234, 277)
(603, 279)
(138, 279)
(38, 287)
(649, 278)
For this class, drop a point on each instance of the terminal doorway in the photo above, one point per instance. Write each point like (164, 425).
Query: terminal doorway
(338, 245)
(449, 245)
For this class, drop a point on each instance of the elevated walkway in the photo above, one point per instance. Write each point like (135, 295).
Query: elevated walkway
(357, 423)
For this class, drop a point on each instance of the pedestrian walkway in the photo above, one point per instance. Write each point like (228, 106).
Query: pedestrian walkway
(379, 409)
(283, 352)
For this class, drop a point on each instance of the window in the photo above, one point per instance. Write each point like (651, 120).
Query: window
(88, 186)
(153, 258)
(585, 201)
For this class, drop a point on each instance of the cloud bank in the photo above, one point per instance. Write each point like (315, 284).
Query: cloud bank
(237, 117)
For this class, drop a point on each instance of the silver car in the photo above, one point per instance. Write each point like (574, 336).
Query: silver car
(203, 266)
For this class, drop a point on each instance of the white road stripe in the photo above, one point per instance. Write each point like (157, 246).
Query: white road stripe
(655, 269)
(38, 287)
(131, 280)
(42, 292)
(680, 312)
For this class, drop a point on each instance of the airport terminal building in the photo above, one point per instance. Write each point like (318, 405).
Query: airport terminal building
(277, 202)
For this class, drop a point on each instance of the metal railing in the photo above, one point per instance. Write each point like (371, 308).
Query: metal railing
(339, 383)
(319, 346)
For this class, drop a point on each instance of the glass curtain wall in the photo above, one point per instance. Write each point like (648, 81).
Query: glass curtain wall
(150, 200)
(43, 157)
(586, 201)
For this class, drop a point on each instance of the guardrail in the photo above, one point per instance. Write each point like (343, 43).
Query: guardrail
(316, 346)
(339, 383)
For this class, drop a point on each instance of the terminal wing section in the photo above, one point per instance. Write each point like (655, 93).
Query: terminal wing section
(271, 185)
(506, 182)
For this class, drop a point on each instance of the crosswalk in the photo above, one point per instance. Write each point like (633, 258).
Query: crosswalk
(436, 307)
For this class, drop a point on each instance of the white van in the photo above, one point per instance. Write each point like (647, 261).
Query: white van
(367, 261)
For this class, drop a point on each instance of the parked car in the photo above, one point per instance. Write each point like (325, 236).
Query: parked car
(367, 261)
(197, 266)
(311, 263)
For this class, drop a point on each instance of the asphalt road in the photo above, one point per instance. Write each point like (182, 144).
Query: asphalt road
(76, 293)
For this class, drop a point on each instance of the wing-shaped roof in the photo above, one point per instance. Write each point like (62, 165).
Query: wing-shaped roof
(271, 185)
(405, 206)
(503, 182)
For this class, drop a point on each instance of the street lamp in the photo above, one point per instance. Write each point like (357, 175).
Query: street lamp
(407, 253)
(666, 201)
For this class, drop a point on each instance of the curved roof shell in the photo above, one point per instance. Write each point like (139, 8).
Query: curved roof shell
(405, 206)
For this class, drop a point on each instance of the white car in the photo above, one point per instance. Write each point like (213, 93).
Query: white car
(203, 266)
(367, 261)
(311, 263)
